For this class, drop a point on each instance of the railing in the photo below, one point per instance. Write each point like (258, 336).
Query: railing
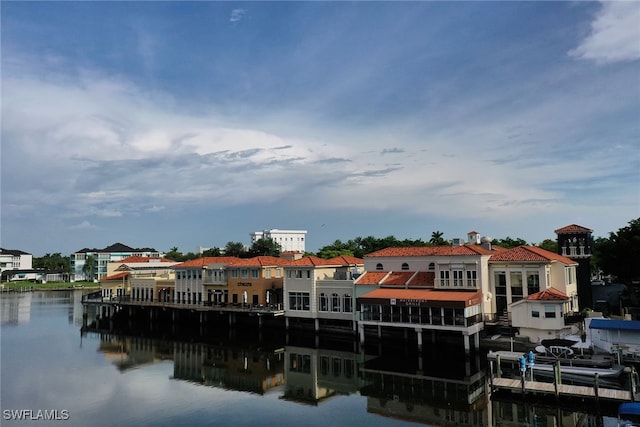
(126, 299)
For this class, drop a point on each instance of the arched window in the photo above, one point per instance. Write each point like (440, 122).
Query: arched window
(405, 266)
(379, 266)
(432, 266)
(335, 302)
(324, 302)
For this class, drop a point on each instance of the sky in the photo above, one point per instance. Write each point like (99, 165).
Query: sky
(184, 124)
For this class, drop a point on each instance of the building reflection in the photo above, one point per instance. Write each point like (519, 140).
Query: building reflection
(443, 387)
(15, 308)
(229, 367)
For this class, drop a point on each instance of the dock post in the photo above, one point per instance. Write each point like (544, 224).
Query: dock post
(632, 384)
(596, 386)
(556, 377)
(491, 362)
(498, 368)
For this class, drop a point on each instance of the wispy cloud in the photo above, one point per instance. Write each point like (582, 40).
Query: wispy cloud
(614, 35)
(237, 15)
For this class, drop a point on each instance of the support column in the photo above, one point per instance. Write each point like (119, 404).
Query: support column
(361, 334)
(419, 336)
(286, 323)
(316, 325)
(467, 348)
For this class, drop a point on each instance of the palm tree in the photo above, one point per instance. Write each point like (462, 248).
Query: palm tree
(88, 268)
(436, 238)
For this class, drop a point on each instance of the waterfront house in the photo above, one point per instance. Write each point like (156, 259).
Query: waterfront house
(13, 259)
(191, 277)
(289, 240)
(102, 257)
(256, 281)
(541, 315)
(320, 290)
(526, 270)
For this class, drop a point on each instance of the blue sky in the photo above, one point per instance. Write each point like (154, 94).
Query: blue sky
(195, 123)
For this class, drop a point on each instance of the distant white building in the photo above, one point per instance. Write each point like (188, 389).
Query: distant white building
(12, 259)
(289, 240)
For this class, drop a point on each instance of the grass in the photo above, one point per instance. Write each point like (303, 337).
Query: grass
(24, 285)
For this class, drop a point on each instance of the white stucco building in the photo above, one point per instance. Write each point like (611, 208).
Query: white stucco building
(289, 240)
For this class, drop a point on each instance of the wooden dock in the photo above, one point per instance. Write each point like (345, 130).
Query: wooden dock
(515, 385)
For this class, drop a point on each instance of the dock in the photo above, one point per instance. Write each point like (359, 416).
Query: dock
(526, 385)
(561, 390)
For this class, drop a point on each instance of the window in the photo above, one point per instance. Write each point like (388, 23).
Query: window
(516, 285)
(405, 266)
(278, 273)
(550, 312)
(457, 277)
(444, 278)
(234, 273)
(379, 266)
(471, 278)
(267, 273)
(346, 303)
(299, 301)
(533, 282)
(535, 312)
(244, 272)
(255, 273)
(324, 302)
(335, 302)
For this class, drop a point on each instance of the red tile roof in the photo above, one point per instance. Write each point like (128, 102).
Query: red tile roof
(347, 260)
(550, 294)
(423, 278)
(573, 228)
(448, 250)
(204, 261)
(311, 261)
(398, 278)
(137, 258)
(117, 276)
(428, 295)
(529, 254)
(261, 261)
(371, 278)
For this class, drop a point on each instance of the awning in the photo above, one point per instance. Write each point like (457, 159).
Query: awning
(422, 297)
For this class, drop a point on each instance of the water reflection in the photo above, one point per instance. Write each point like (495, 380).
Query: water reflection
(395, 382)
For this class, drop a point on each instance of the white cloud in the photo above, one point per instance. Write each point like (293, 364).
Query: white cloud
(84, 225)
(237, 15)
(614, 35)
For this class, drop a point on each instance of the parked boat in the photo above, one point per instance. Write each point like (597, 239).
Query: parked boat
(568, 365)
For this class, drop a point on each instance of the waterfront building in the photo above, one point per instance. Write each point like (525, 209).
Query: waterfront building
(141, 278)
(526, 270)
(102, 257)
(428, 288)
(289, 240)
(541, 315)
(14, 259)
(318, 289)
(191, 277)
(575, 242)
(615, 335)
(256, 281)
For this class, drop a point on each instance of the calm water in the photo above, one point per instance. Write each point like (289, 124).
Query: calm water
(124, 379)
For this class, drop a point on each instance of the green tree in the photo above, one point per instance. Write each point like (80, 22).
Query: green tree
(550, 245)
(89, 268)
(509, 243)
(53, 262)
(262, 247)
(618, 255)
(437, 239)
(212, 252)
(335, 249)
(174, 254)
(234, 249)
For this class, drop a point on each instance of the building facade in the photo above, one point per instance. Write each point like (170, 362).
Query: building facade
(13, 259)
(575, 242)
(289, 240)
(102, 257)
